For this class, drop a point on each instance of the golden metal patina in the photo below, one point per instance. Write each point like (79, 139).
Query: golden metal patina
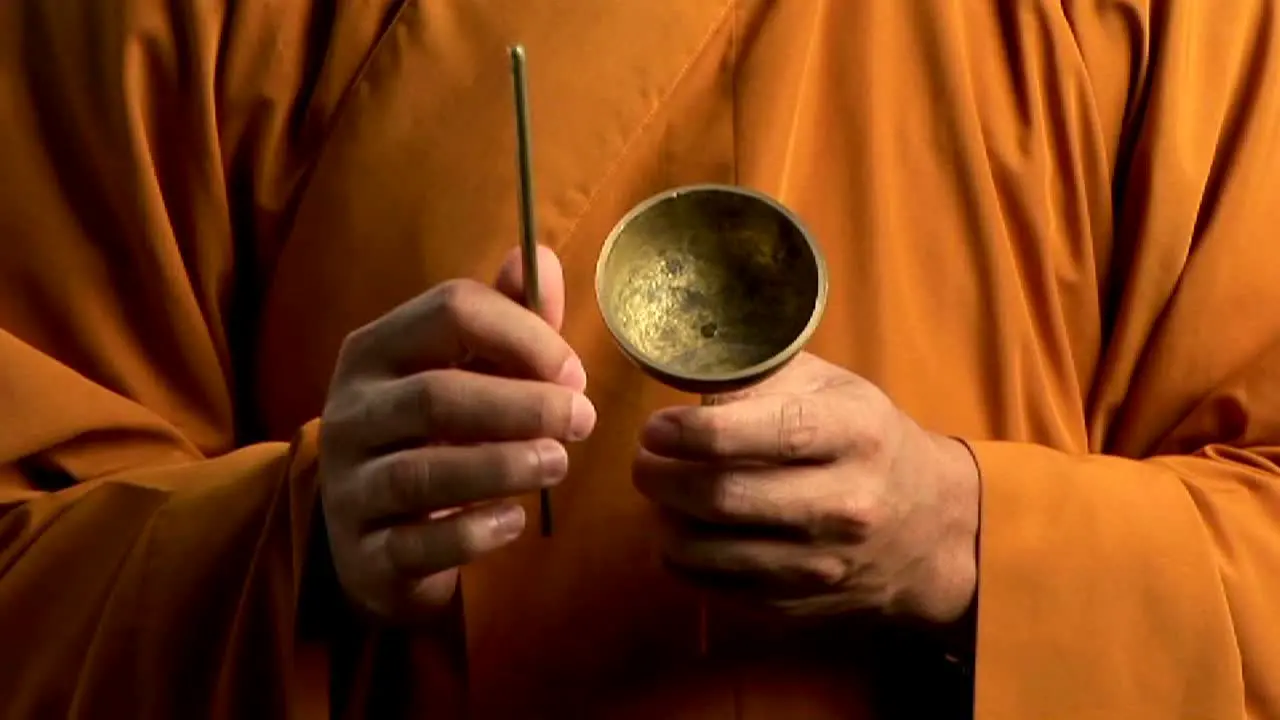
(711, 288)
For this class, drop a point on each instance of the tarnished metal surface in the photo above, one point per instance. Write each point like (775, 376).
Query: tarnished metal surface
(710, 287)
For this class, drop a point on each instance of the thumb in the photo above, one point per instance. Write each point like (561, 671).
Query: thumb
(550, 282)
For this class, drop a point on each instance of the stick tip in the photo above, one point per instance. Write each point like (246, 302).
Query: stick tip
(517, 53)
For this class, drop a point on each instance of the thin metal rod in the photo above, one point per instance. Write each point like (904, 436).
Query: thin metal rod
(704, 622)
(528, 226)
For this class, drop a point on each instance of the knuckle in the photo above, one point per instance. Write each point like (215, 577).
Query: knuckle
(555, 357)
(426, 401)
(472, 535)
(727, 493)
(867, 426)
(408, 483)
(341, 504)
(346, 419)
(354, 345)
(331, 431)
(552, 411)
(829, 571)
(517, 466)
(366, 414)
(404, 549)
(543, 413)
(796, 429)
(868, 437)
(456, 299)
(713, 431)
(851, 518)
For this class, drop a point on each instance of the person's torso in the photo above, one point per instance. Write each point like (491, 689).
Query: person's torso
(947, 158)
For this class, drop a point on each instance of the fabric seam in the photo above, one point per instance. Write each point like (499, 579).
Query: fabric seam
(660, 105)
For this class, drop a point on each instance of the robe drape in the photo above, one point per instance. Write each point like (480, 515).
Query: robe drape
(1050, 229)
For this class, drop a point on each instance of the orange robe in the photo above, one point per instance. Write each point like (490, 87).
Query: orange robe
(1051, 230)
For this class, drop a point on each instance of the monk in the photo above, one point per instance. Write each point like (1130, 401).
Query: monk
(273, 419)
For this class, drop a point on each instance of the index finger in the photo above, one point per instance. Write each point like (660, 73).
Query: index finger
(765, 428)
(754, 496)
(457, 322)
(510, 282)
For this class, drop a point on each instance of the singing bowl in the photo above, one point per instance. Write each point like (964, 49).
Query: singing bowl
(710, 288)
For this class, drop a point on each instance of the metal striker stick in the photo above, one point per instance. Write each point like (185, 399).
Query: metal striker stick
(704, 622)
(528, 228)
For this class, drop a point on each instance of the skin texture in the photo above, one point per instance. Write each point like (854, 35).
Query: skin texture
(421, 450)
(814, 495)
(810, 493)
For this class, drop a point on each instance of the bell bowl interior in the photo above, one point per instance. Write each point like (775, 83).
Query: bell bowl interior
(710, 283)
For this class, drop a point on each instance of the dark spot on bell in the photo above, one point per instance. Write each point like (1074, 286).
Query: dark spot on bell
(709, 330)
(673, 265)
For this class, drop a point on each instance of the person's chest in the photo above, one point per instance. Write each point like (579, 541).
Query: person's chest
(964, 212)
(958, 207)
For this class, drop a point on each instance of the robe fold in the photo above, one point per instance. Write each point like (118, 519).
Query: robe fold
(1050, 229)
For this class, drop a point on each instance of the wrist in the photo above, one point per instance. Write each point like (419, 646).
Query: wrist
(959, 635)
(951, 587)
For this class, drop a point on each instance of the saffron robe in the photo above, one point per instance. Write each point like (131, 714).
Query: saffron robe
(1050, 228)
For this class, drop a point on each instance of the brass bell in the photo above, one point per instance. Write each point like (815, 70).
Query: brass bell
(711, 288)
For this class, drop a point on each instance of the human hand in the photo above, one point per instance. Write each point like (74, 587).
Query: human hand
(813, 494)
(439, 413)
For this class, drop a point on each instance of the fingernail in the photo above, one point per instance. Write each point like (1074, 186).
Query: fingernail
(582, 418)
(573, 374)
(509, 521)
(553, 461)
